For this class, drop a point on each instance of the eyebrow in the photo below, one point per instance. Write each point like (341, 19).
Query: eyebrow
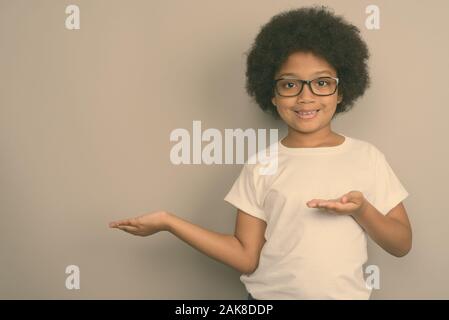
(316, 73)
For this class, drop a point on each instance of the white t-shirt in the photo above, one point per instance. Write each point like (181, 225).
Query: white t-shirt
(310, 254)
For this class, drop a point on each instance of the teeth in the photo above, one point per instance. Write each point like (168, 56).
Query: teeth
(306, 113)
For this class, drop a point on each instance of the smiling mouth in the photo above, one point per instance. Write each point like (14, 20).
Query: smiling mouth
(306, 115)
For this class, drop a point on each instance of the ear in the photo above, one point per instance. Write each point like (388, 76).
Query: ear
(273, 101)
(340, 98)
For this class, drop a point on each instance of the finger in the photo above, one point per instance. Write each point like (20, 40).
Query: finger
(331, 205)
(353, 196)
(128, 229)
(339, 207)
(320, 204)
(125, 222)
(314, 202)
(114, 224)
(348, 197)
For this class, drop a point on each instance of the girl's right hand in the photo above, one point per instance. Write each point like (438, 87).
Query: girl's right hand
(144, 225)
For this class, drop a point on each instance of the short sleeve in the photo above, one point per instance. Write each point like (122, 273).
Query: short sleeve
(388, 190)
(245, 193)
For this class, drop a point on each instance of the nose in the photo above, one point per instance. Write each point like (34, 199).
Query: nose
(306, 93)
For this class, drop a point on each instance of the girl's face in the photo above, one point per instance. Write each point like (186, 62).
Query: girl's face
(306, 66)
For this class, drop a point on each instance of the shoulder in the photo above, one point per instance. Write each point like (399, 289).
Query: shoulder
(264, 162)
(367, 147)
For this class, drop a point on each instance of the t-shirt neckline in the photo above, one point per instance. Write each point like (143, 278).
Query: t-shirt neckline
(317, 150)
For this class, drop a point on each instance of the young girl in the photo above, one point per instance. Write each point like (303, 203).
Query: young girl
(301, 232)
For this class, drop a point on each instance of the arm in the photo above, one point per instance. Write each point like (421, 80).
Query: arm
(240, 251)
(392, 231)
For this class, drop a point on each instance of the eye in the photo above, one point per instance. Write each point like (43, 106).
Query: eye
(322, 83)
(289, 85)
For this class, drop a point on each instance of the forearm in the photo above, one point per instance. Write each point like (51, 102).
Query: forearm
(225, 248)
(389, 233)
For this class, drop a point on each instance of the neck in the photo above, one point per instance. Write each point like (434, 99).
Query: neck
(321, 138)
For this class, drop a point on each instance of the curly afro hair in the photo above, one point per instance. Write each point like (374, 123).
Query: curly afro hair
(310, 29)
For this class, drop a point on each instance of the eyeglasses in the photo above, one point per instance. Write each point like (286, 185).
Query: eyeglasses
(290, 87)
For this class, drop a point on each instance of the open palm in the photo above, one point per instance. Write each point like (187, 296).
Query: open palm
(348, 204)
(144, 225)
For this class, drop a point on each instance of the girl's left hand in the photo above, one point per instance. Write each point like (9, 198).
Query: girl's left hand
(351, 203)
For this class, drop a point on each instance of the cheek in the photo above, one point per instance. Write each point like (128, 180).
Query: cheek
(283, 111)
(329, 105)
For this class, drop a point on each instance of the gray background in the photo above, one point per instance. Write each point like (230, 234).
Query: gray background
(85, 118)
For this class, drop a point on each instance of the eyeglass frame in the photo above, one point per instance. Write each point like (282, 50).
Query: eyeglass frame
(308, 82)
